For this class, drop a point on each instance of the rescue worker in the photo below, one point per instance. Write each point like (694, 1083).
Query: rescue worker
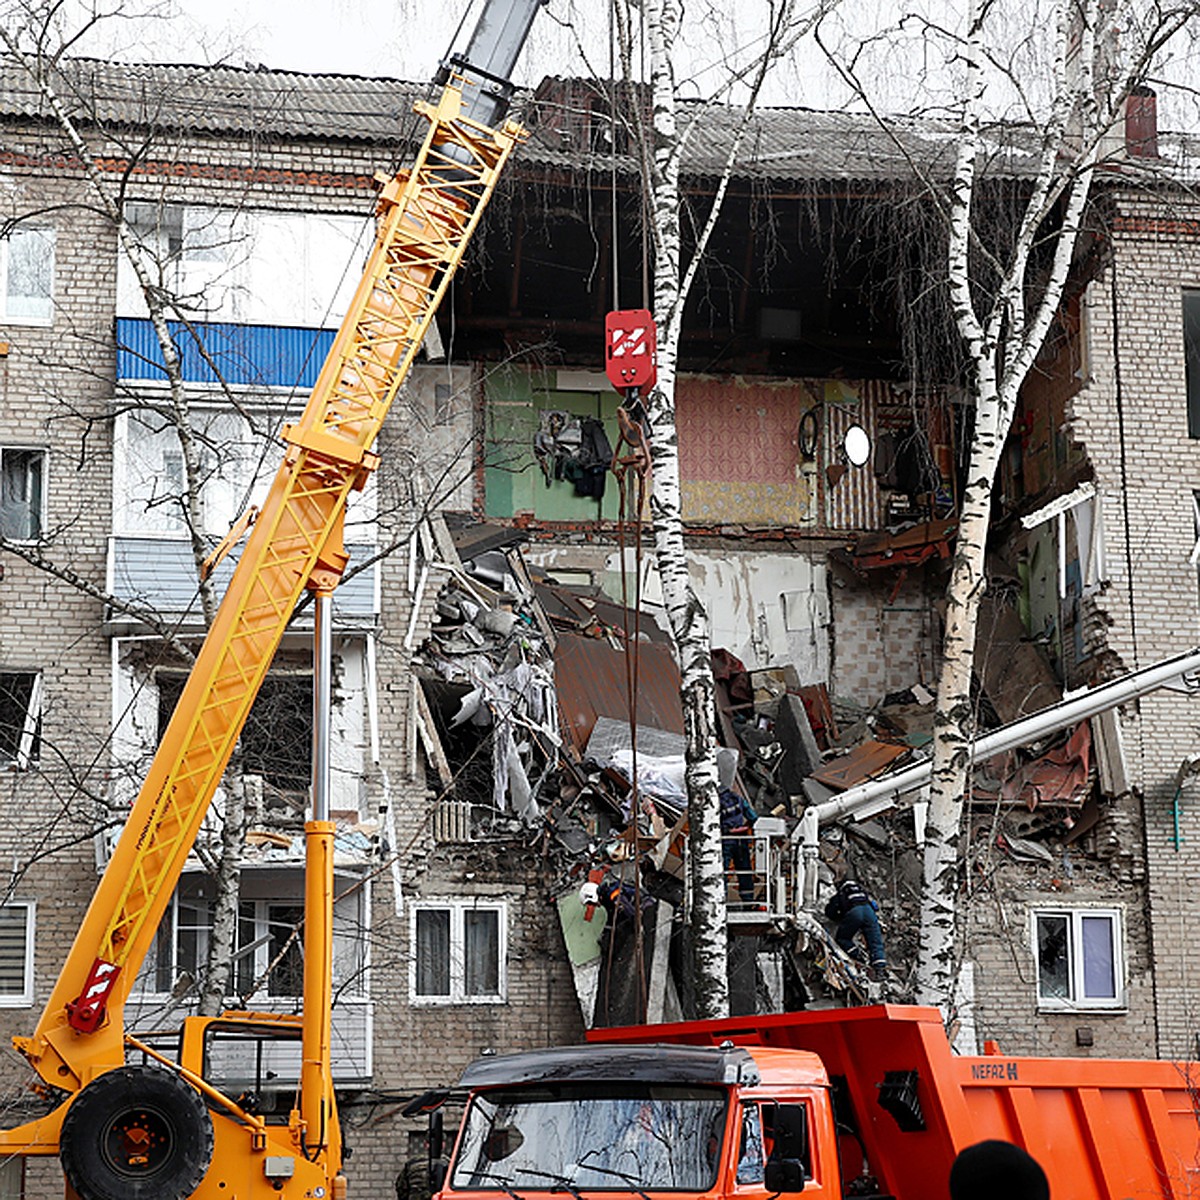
(737, 827)
(856, 913)
(996, 1170)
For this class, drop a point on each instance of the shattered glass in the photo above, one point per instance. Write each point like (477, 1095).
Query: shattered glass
(1054, 957)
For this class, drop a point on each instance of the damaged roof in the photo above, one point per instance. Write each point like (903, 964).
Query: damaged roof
(782, 144)
(591, 683)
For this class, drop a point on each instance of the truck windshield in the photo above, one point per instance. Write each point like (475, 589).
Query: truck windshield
(591, 1136)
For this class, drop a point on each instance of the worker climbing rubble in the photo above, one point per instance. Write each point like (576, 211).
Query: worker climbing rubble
(853, 908)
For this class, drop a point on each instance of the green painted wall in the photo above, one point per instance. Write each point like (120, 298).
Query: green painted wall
(514, 482)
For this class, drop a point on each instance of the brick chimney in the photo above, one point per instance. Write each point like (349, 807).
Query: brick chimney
(1141, 123)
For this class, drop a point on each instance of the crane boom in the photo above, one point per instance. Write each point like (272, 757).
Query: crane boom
(426, 216)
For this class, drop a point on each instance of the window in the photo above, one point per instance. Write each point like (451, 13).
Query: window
(27, 270)
(16, 955)
(22, 493)
(269, 958)
(458, 952)
(1079, 959)
(238, 458)
(598, 1138)
(751, 1155)
(20, 718)
(1191, 350)
(781, 1130)
(296, 270)
(12, 1178)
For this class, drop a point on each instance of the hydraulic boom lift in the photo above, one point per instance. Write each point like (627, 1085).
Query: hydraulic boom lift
(158, 1129)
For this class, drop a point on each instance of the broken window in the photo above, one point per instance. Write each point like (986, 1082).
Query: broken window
(16, 955)
(20, 717)
(269, 955)
(1079, 960)
(27, 267)
(1191, 350)
(22, 493)
(277, 739)
(458, 952)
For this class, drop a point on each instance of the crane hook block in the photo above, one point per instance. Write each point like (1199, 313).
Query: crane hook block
(631, 349)
(87, 1012)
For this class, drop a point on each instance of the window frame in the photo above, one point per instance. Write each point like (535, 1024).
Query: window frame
(1076, 1001)
(255, 952)
(29, 743)
(39, 515)
(51, 235)
(25, 998)
(236, 478)
(458, 908)
(1190, 333)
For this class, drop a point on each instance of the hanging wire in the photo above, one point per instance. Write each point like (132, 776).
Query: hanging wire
(614, 96)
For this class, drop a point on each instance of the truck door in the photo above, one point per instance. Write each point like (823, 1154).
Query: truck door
(759, 1121)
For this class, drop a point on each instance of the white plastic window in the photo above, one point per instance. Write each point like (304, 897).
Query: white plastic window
(459, 952)
(269, 955)
(27, 275)
(22, 493)
(1080, 964)
(16, 955)
(20, 718)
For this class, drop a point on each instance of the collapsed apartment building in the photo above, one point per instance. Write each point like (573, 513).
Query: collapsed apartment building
(485, 630)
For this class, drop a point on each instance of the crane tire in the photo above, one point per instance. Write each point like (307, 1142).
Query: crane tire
(136, 1133)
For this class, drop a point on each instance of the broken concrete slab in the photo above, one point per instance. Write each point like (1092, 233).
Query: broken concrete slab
(801, 757)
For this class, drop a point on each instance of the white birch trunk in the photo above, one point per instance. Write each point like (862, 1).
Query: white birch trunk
(686, 615)
(1001, 346)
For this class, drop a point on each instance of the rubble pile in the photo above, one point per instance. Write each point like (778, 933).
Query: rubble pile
(525, 709)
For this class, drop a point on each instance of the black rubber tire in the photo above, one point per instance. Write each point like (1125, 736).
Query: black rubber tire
(136, 1133)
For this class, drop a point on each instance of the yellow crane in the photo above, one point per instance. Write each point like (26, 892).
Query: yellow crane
(157, 1129)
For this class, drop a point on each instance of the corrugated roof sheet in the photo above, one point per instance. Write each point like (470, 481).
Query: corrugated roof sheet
(220, 99)
(783, 144)
(589, 677)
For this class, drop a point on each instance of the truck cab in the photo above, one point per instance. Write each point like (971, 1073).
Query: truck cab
(593, 1122)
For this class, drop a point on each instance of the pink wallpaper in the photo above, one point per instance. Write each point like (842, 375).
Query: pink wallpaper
(731, 432)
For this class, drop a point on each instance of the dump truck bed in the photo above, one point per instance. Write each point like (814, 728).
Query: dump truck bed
(1104, 1129)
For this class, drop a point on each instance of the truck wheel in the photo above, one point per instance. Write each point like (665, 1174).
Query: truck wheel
(136, 1133)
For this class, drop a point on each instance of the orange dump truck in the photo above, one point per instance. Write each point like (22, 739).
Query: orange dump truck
(865, 1102)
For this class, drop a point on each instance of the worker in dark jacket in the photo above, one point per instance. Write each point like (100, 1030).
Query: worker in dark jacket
(855, 912)
(737, 828)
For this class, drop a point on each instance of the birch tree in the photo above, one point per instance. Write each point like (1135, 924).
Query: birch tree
(662, 148)
(1004, 299)
(1005, 280)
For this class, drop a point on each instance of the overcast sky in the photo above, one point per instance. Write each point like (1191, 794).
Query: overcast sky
(406, 38)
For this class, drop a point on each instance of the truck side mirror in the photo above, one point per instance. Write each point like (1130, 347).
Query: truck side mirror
(437, 1175)
(437, 1136)
(785, 1170)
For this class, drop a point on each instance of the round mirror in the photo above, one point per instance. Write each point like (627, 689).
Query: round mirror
(857, 446)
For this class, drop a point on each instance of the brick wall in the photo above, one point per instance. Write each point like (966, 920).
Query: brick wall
(1132, 418)
(57, 392)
